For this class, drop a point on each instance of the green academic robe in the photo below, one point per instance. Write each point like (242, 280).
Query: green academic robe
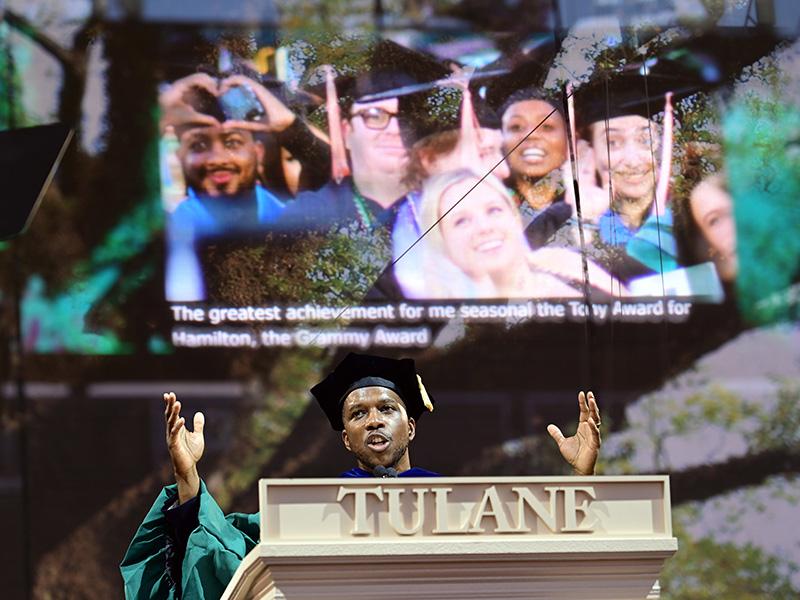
(214, 550)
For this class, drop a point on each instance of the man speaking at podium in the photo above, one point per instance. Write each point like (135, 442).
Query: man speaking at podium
(186, 547)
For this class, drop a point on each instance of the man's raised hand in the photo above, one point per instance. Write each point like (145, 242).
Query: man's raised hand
(176, 111)
(278, 118)
(581, 449)
(185, 447)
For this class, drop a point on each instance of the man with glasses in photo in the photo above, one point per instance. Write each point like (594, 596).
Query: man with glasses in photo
(369, 197)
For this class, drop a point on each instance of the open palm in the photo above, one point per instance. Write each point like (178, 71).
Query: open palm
(581, 449)
(185, 447)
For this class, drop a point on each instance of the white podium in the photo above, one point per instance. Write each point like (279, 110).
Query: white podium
(459, 538)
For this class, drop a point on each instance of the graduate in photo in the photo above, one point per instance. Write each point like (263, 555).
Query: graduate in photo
(627, 120)
(474, 227)
(368, 156)
(444, 131)
(228, 131)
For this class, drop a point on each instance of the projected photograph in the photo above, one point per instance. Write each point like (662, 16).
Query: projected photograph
(501, 182)
(357, 171)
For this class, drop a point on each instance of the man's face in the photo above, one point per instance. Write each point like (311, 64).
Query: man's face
(373, 149)
(219, 161)
(543, 150)
(377, 428)
(490, 152)
(627, 153)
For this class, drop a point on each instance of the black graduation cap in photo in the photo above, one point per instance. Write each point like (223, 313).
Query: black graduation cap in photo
(640, 89)
(519, 72)
(438, 110)
(701, 63)
(390, 70)
(726, 50)
(365, 370)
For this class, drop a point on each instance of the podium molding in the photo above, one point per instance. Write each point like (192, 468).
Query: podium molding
(309, 551)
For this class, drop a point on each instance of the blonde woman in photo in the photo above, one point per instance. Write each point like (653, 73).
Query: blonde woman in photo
(480, 232)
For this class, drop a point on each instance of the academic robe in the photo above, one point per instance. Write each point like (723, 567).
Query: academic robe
(332, 205)
(192, 551)
(542, 225)
(334, 211)
(199, 219)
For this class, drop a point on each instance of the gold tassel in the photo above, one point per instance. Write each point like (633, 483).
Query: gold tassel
(426, 400)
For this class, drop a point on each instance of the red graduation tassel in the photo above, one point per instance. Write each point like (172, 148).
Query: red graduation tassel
(665, 170)
(469, 139)
(569, 171)
(339, 167)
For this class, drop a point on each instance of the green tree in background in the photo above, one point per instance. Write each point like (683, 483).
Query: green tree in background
(704, 569)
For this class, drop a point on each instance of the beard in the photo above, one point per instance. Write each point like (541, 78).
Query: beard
(371, 460)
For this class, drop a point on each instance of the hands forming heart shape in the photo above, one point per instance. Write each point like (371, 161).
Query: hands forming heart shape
(237, 101)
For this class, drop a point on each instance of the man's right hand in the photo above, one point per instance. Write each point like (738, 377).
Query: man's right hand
(176, 111)
(185, 447)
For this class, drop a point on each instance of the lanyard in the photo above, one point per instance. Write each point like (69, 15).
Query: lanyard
(361, 209)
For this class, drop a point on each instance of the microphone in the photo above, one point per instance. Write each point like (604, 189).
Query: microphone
(384, 472)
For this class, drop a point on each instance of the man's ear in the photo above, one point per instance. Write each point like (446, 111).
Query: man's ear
(412, 428)
(427, 160)
(260, 151)
(346, 440)
(182, 150)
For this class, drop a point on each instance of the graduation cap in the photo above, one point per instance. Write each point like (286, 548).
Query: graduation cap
(390, 70)
(512, 75)
(357, 371)
(438, 110)
(724, 51)
(701, 63)
(640, 89)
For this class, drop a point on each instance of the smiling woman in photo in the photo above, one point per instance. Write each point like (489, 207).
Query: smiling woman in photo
(535, 136)
(478, 229)
(535, 140)
(712, 210)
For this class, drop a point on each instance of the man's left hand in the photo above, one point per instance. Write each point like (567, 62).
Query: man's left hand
(581, 449)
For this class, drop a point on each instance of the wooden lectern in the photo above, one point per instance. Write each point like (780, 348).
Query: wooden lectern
(459, 538)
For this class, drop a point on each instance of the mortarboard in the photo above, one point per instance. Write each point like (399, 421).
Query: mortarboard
(365, 370)
(389, 70)
(640, 89)
(701, 63)
(438, 110)
(517, 73)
